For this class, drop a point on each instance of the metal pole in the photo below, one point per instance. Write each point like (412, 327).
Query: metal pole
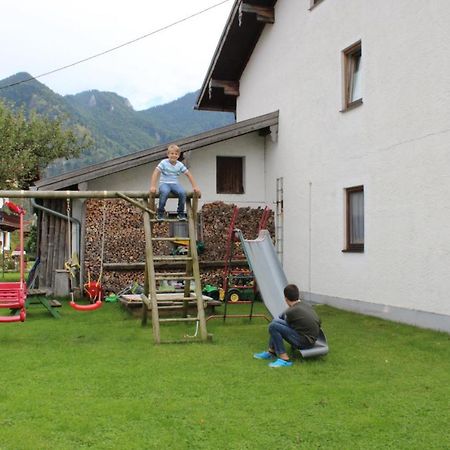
(3, 253)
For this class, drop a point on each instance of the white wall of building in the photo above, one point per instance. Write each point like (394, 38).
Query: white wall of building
(395, 144)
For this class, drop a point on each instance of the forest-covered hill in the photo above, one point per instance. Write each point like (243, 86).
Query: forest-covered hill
(115, 126)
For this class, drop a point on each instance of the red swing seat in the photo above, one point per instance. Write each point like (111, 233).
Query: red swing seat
(95, 291)
(13, 296)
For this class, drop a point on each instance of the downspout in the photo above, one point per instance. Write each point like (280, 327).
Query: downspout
(62, 216)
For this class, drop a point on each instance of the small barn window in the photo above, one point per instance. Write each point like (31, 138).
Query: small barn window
(230, 175)
(352, 63)
(355, 219)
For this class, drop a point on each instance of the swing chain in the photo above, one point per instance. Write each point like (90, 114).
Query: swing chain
(72, 264)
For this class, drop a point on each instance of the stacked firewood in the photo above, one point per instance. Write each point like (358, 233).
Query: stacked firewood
(114, 234)
(217, 218)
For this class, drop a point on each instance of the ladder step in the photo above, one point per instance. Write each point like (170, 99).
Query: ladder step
(171, 239)
(170, 307)
(170, 274)
(172, 258)
(173, 298)
(173, 276)
(168, 220)
(177, 301)
(180, 319)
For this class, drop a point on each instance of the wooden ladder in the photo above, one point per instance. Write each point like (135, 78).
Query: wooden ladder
(190, 274)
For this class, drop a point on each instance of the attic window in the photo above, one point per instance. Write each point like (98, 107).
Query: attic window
(230, 175)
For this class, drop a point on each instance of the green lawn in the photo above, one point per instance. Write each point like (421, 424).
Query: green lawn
(10, 276)
(96, 380)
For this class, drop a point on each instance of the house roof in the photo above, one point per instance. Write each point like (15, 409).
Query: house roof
(9, 222)
(260, 123)
(245, 23)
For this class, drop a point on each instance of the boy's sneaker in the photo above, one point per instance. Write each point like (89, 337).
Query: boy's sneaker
(264, 355)
(281, 363)
(160, 216)
(182, 217)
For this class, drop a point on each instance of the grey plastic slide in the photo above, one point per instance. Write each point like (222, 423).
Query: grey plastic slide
(267, 270)
(266, 267)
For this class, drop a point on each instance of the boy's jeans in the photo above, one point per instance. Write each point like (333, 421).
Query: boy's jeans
(165, 189)
(279, 330)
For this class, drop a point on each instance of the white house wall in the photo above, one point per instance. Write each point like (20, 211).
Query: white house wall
(395, 144)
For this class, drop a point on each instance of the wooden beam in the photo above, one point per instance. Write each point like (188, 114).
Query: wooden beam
(139, 266)
(81, 194)
(265, 14)
(229, 87)
(136, 203)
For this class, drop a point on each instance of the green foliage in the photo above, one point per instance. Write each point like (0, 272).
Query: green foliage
(116, 128)
(31, 242)
(96, 380)
(29, 142)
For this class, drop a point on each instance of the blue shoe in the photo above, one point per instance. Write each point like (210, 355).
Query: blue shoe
(160, 216)
(264, 355)
(281, 363)
(182, 217)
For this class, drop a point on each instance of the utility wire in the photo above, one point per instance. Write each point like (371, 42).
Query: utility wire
(117, 47)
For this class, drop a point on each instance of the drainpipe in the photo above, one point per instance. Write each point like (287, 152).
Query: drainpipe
(62, 216)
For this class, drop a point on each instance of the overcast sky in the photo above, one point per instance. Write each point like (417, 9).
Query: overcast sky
(38, 36)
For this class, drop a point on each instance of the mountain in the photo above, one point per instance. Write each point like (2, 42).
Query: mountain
(115, 126)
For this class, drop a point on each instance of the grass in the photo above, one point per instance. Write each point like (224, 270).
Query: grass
(10, 276)
(96, 380)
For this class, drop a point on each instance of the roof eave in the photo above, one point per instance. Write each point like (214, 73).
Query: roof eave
(155, 153)
(244, 26)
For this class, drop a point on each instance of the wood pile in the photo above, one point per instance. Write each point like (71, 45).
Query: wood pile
(122, 226)
(216, 219)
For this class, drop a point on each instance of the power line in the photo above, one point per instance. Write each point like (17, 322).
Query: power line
(115, 48)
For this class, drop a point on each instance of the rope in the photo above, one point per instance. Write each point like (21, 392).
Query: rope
(72, 264)
(102, 251)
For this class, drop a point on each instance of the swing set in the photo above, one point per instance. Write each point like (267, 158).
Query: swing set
(14, 294)
(93, 289)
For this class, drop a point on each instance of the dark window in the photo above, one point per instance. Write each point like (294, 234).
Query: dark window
(230, 175)
(352, 76)
(355, 219)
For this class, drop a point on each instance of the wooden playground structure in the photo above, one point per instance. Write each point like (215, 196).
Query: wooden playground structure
(151, 296)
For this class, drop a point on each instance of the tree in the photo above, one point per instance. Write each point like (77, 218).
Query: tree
(29, 144)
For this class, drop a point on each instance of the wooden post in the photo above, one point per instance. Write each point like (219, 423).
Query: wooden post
(56, 248)
(50, 246)
(43, 249)
(149, 271)
(196, 271)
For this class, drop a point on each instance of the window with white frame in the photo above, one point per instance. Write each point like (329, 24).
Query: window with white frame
(352, 63)
(354, 219)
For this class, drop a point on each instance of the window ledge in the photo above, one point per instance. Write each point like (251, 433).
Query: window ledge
(353, 250)
(352, 105)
